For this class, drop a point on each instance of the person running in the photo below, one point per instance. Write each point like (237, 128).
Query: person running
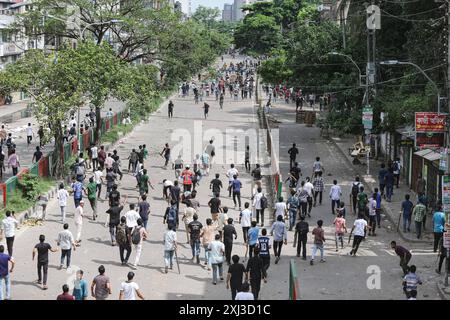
(195, 228)
(206, 109)
(113, 219)
(79, 214)
(138, 235)
(166, 154)
(80, 288)
(91, 193)
(66, 242)
(187, 176)
(354, 191)
(362, 201)
(236, 186)
(309, 187)
(372, 215)
(13, 162)
(318, 167)
(318, 188)
(360, 228)
(378, 206)
(101, 285)
(340, 230)
(77, 190)
(214, 204)
(170, 109)
(177, 165)
(442, 256)
(228, 232)
(301, 237)
(245, 219)
(5, 270)
(207, 235)
(293, 152)
(279, 234)
(170, 246)
(37, 155)
(253, 234)
(217, 251)
(210, 149)
(41, 250)
(216, 185)
(335, 196)
(235, 276)
(319, 239)
(230, 175)
(419, 213)
(175, 195)
(404, 254)
(221, 98)
(144, 182)
(302, 194)
(260, 204)
(8, 230)
(410, 282)
(382, 178)
(123, 239)
(292, 205)
(30, 134)
(438, 225)
(255, 272)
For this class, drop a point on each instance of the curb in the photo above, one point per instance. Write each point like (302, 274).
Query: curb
(386, 210)
(442, 294)
(32, 211)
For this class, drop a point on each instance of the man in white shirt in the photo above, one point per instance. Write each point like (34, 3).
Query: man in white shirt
(62, 196)
(98, 178)
(280, 208)
(66, 242)
(245, 219)
(211, 151)
(79, 213)
(8, 230)
(335, 195)
(94, 153)
(132, 216)
(170, 245)
(30, 134)
(72, 122)
(230, 173)
(109, 161)
(257, 205)
(217, 250)
(309, 187)
(360, 228)
(244, 294)
(129, 289)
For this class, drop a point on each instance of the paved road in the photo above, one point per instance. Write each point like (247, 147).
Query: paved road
(195, 282)
(343, 276)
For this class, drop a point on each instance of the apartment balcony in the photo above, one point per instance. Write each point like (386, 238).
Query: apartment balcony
(9, 49)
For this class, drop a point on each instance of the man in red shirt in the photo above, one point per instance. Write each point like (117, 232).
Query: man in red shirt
(187, 176)
(65, 295)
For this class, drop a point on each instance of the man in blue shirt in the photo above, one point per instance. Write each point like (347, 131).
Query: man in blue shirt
(264, 249)
(381, 175)
(77, 188)
(252, 237)
(5, 259)
(378, 207)
(236, 186)
(407, 207)
(438, 226)
(389, 181)
(279, 236)
(80, 289)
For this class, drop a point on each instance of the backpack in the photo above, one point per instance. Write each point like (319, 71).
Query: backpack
(8, 142)
(121, 234)
(263, 202)
(80, 170)
(304, 229)
(136, 235)
(172, 214)
(72, 131)
(355, 189)
(396, 166)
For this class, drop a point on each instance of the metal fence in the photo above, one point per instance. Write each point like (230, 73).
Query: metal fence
(42, 168)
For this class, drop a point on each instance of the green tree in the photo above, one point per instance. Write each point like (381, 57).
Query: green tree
(207, 16)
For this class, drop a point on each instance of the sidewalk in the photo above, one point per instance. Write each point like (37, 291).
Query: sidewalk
(18, 126)
(390, 209)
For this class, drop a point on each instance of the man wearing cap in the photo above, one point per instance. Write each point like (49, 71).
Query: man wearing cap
(79, 213)
(187, 176)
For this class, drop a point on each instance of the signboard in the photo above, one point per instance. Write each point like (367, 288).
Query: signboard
(446, 240)
(430, 122)
(407, 143)
(446, 194)
(430, 139)
(367, 117)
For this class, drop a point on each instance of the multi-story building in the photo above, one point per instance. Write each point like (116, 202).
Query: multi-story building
(227, 13)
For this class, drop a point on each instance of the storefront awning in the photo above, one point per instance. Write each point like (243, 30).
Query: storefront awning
(423, 152)
(428, 154)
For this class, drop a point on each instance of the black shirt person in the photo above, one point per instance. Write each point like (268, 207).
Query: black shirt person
(228, 232)
(292, 155)
(42, 249)
(255, 267)
(235, 276)
(216, 185)
(170, 109)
